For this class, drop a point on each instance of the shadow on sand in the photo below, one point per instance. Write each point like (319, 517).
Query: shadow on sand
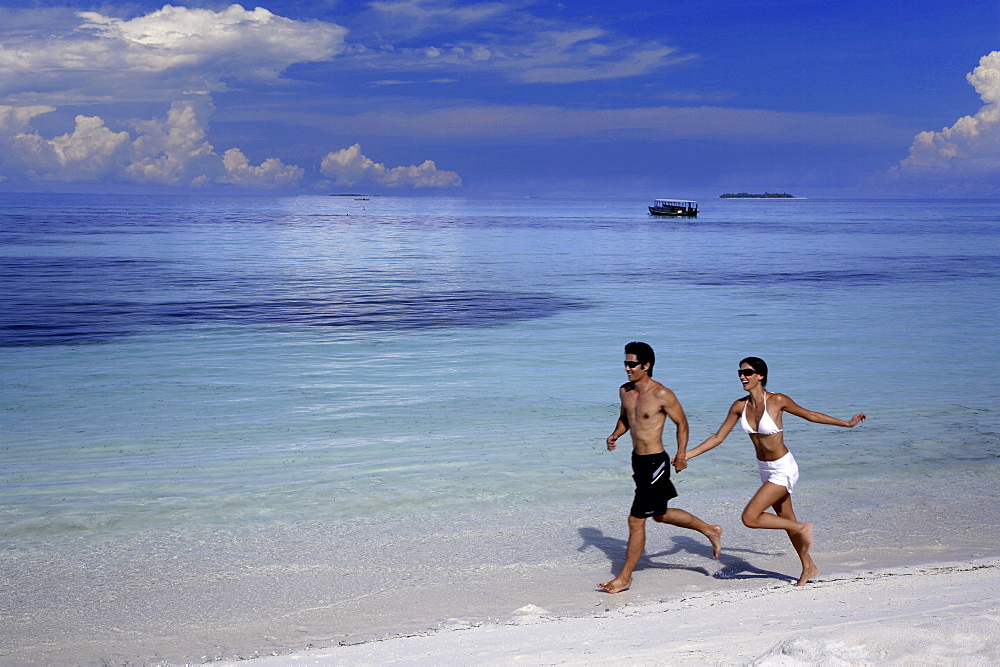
(733, 567)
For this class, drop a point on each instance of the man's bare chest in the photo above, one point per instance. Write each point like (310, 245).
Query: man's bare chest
(643, 408)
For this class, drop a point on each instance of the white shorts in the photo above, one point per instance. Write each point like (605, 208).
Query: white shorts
(783, 472)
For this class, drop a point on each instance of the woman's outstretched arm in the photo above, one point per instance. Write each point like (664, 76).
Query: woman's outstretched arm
(715, 440)
(793, 408)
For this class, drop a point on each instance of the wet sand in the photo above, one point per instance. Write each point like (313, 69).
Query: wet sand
(943, 614)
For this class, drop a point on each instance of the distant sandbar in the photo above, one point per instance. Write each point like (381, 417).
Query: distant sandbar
(765, 195)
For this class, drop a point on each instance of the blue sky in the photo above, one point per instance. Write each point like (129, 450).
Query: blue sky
(647, 98)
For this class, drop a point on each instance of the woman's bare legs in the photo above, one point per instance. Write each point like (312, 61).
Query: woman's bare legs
(755, 515)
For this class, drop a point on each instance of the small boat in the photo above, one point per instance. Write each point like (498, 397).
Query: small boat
(674, 207)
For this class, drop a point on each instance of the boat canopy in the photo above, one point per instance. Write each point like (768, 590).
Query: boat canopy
(679, 203)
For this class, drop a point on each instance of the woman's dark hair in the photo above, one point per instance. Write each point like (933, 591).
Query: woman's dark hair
(758, 365)
(643, 354)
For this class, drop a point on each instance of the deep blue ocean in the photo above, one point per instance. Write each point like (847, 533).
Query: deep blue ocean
(239, 425)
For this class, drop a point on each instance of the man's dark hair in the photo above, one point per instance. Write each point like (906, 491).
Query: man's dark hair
(643, 354)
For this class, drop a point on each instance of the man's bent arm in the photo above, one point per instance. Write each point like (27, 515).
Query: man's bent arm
(621, 428)
(680, 461)
(676, 414)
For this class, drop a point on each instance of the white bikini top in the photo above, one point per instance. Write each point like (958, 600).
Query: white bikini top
(766, 425)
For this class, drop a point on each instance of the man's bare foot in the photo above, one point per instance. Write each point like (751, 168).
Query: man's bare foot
(808, 572)
(616, 585)
(714, 536)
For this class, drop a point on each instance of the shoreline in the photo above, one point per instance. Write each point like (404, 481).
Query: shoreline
(287, 594)
(944, 613)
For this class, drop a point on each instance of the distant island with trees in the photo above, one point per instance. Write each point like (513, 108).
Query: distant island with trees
(766, 195)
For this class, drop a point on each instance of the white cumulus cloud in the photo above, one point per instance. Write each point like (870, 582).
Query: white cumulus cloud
(15, 120)
(270, 173)
(106, 68)
(163, 151)
(85, 154)
(163, 53)
(233, 40)
(966, 156)
(350, 167)
(173, 151)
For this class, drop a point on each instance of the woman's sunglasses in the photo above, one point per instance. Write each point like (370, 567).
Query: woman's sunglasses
(746, 372)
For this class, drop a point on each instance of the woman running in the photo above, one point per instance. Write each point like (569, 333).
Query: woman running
(759, 415)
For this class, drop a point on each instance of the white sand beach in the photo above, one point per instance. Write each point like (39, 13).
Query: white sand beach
(947, 614)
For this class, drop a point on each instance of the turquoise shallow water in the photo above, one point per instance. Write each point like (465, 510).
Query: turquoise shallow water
(244, 424)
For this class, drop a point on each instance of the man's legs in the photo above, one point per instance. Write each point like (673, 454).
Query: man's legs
(636, 545)
(687, 520)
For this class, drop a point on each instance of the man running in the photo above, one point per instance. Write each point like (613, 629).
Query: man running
(645, 406)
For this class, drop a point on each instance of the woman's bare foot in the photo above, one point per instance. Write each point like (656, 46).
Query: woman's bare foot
(714, 536)
(616, 585)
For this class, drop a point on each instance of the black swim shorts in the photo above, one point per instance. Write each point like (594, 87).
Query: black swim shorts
(653, 488)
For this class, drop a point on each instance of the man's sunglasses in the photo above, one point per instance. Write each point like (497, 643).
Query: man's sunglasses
(632, 364)
(746, 372)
